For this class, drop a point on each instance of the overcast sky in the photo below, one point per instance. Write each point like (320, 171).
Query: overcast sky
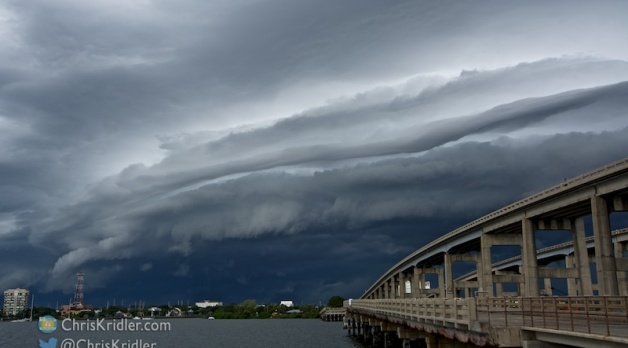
(280, 149)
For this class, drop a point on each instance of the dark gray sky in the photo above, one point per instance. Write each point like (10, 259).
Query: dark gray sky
(278, 150)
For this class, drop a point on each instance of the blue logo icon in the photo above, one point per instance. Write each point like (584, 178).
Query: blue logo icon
(52, 343)
(47, 324)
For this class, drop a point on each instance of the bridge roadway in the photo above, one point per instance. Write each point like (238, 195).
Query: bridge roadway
(503, 303)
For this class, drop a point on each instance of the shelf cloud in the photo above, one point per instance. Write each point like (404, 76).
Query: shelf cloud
(304, 149)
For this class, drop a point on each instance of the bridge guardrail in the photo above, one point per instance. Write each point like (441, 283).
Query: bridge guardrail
(444, 312)
(601, 315)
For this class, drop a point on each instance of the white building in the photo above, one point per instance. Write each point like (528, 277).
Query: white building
(15, 300)
(208, 303)
(286, 303)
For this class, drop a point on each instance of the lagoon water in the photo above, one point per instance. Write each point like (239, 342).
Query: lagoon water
(307, 333)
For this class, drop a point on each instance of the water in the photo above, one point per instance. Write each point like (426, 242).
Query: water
(191, 333)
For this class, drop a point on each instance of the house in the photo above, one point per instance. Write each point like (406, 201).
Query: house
(208, 303)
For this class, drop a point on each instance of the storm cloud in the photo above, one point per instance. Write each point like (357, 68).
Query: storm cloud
(301, 148)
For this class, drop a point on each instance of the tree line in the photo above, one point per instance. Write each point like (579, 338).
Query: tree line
(248, 309)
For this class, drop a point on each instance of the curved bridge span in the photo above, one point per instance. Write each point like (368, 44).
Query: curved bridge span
(507, 303)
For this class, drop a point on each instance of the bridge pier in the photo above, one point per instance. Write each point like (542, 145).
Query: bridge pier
(466, 286)
(366, 331)
(402, 285)
(485, 273)
(418, 282)
(360, 327)
(391, 340)
(433, 341)
(620, 249)
(582, 257)
(490, 284)
(577, 271)
(605, 264)
(350, 326)
(528, 258)
(449, 278)
(393, 287)
(572, 283)
(411, 338)
(388, 335)
(441, 284)
(377, 336)
(353, 326)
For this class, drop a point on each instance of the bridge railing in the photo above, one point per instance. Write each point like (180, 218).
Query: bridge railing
(441, 312)
(602, 315)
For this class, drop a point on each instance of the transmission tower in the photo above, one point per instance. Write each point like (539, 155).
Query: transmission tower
(78, 290)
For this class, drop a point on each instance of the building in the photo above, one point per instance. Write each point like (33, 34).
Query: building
(208, 303)
(75, 309)
(15, 301)
(286, 303)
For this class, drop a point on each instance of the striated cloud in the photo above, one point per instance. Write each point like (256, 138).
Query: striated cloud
(200, 147)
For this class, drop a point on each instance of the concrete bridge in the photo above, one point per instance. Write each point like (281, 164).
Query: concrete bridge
(507, 302)
(332, 314)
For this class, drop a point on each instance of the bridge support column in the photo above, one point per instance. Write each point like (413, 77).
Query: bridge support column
(387, 289)
(604, 253)
(351, 326)
(390, 339)
(449, 277)
(366, 332)
(572, 286)
(547, 286)
(393, 286)
(466, 286)
(406, 333)
(360, 327)
(499, 289)
(376, 334)
(620, 248)
(433, 341)
(419, 282)
(582, 257)
(402, 285)
(441, 283)
(407, 336)
(528, 258)
(485, 269)
(438, 291)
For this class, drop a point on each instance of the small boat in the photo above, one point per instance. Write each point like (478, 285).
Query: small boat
(211, 318)
(137, 318)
